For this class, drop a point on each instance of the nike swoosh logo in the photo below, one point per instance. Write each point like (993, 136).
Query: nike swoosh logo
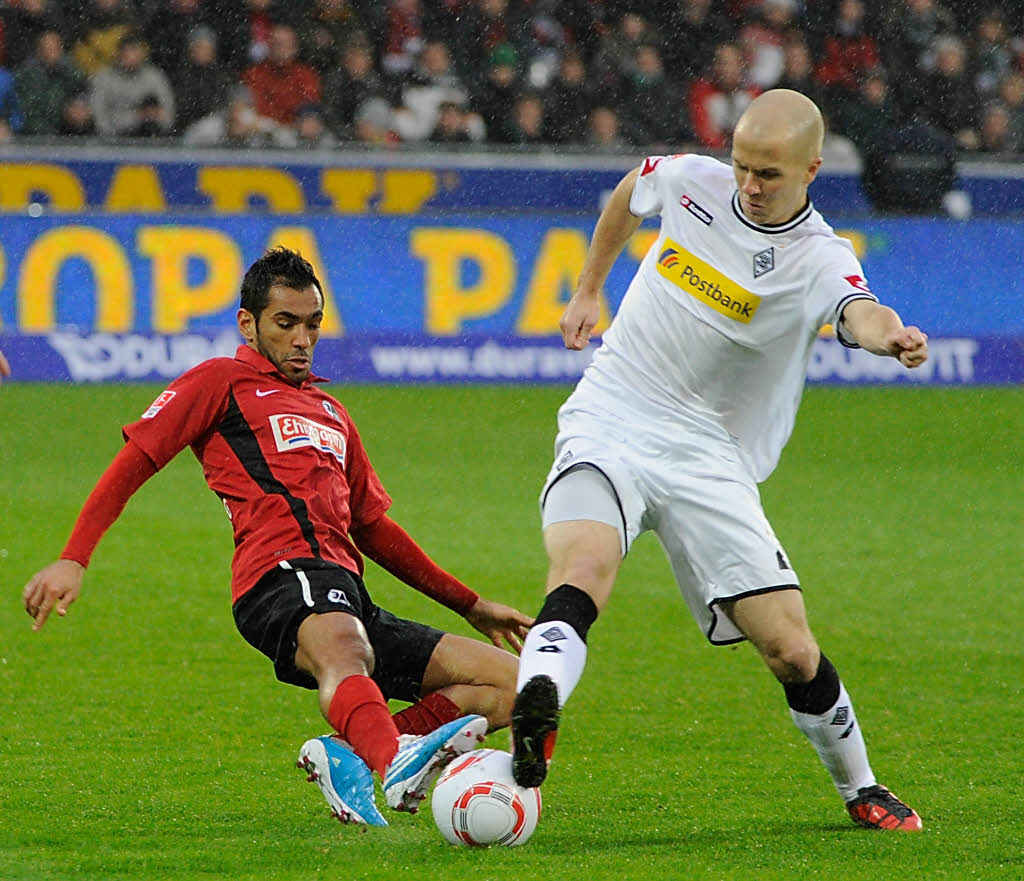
(262, 394)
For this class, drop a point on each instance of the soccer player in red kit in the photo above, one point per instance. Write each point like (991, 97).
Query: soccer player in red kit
(304, 503)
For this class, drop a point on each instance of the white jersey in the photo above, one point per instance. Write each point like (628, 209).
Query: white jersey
(716, 328)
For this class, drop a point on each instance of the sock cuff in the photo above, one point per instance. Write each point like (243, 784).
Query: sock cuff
(817, 696)
(352, 693)
(569, 604)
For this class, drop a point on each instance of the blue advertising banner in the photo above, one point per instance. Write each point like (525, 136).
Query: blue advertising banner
(158, 182)
(145, 297)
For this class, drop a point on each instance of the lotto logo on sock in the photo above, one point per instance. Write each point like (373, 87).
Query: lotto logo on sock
(553, 634)
(841, 717)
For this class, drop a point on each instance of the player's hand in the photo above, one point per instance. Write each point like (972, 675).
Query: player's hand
(498, 622)
(910, 345)
(578, 320)
(5, 368)
(57, 585)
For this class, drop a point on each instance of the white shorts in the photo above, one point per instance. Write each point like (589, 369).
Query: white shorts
(695, 493)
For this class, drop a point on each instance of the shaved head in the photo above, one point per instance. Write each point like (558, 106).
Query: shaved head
(776, 153)
(784, 117)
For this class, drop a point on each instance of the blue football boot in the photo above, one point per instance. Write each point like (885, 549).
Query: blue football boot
(420, 760)
(343, 778)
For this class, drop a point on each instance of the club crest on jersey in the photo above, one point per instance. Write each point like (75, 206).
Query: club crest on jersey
(329, 407)
(695, 209)
(293, 432)
(158, 404)
(764, 261)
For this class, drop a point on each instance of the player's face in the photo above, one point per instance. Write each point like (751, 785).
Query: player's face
(772, 178)
(287, 330)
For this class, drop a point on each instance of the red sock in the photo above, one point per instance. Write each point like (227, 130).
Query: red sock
(427, 715)
(360, 715)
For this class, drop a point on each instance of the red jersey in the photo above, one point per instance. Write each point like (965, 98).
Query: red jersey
(287, 462)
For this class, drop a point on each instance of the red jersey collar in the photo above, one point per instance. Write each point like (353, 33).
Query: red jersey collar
(248, 355)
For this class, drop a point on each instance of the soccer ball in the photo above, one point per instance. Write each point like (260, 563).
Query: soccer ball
(477, 803)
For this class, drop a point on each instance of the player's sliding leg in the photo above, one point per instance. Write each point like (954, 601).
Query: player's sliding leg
(584, 539)
(820, 706)
(462, 677)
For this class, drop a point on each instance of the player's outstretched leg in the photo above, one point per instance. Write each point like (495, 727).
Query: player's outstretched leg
(534, 729)
(877, 808)
(343, 778)
(420, 760)
(550, 667)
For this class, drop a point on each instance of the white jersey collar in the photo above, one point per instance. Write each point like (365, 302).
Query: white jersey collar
(800, 217)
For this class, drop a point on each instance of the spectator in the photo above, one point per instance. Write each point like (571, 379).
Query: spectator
(526, 125)
(169, 27)
(603, 131)
(849, 52)
(615, 60)
(763, 41)
(717, 103)
(885, 138)
(693, 26)
(908, 37)
(453, 126)
(375, 123)
(326, 30)
(348, 87)
(1011, 95)
(542, 40)
(76, 119)
(311, 131)
(482, 27)
(24, 23)
(239, 125)
(404, 36)
(45, 83)
(568, 100)
(995, 132)
(10, 113)
(798, 75)
(950, 100)
(202, 83)
(281, 83)
(431, 84)
(99, 28)
(495, 99)
(653, 107)
(993, 56)
(118, 92)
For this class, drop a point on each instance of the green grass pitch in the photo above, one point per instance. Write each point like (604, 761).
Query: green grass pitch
(142, 739)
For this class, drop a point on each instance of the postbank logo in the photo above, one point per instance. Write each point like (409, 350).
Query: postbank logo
(707, 284)
(294, 432)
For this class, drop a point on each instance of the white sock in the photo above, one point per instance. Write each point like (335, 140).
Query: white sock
(836, 737)
(553, 648)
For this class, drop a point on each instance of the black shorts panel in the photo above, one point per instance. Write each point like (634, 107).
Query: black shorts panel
(270, 613)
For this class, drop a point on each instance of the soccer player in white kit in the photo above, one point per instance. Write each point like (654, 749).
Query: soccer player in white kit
(686, 408)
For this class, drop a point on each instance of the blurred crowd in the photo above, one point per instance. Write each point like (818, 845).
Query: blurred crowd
(591, 74)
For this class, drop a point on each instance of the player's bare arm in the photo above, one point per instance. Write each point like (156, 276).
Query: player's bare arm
(56, 586)
(5, 367)
(879, 330)
(614, 228)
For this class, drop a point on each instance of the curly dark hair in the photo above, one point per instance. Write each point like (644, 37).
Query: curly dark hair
(277, 266)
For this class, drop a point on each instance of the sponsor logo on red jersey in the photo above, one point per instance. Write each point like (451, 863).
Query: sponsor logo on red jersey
(858, 282)
(294, 432)
(158, 404)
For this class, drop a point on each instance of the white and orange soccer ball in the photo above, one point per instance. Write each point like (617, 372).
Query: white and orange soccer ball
(477, 803)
